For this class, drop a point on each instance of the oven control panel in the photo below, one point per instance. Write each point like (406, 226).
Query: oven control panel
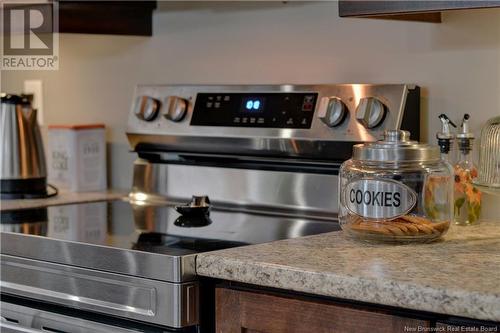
(313, 121)
(272, 110)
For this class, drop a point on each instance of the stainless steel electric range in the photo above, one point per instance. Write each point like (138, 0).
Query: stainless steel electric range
(217, 167)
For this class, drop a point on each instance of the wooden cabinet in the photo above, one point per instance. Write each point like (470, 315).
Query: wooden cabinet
(408, 9)
(248, 311)
(107, 17)
(98, 17)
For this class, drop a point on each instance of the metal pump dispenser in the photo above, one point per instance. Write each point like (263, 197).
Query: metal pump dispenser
(445, 137)
(465, 137)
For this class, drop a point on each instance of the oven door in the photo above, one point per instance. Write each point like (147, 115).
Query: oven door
(17, 318)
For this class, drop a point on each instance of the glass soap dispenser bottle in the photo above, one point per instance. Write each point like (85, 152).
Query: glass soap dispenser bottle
(467, 205)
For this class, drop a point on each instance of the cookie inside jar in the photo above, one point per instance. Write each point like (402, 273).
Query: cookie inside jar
(409, 227)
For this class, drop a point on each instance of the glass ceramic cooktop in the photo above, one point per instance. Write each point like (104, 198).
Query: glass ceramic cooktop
(158, 228)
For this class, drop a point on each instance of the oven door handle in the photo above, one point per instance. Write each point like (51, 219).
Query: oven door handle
(21, 319)
(6, 327)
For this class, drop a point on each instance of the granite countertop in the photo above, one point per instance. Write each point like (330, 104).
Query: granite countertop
(457, 276)
(63, 198)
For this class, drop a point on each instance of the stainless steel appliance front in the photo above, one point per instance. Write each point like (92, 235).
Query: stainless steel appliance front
(22, 319)
(22, 159)
(272, 191)
(398, 107)
(156, 302)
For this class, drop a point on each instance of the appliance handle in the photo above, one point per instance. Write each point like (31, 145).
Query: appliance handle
(241, 161)
(70, 299)
(24, 319)
(6, 327)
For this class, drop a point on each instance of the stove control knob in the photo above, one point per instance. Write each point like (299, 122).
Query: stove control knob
(336, 112)
(370, 112)
(146, 108)
(176, 108)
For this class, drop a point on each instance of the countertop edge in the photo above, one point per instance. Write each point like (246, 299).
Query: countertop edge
(390, 293)
(63, 198)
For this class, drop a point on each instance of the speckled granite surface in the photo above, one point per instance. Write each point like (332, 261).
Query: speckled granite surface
(458, 276)
(63, 198)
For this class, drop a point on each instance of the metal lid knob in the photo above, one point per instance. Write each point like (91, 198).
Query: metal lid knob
(396, 136)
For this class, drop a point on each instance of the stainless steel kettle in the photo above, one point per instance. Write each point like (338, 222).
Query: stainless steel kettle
(23, 171)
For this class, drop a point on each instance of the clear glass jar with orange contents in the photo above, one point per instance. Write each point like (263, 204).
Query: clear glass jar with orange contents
(396, 190)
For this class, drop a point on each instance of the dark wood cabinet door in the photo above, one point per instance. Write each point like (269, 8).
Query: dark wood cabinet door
(244, 311)
(106, 17)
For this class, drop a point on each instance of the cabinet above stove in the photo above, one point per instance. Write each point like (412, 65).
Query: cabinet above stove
(413, 10)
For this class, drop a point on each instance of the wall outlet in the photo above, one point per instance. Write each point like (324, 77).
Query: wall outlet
(34, 87)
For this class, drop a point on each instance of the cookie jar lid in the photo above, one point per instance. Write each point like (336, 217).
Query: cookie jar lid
(396, 146)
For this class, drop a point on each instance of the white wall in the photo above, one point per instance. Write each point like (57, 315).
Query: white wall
(457, 62)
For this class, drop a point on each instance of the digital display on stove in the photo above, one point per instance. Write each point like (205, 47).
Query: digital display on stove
(271, 110)
(252, 104)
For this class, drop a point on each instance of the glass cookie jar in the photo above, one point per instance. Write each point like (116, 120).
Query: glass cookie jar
(396, 190)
